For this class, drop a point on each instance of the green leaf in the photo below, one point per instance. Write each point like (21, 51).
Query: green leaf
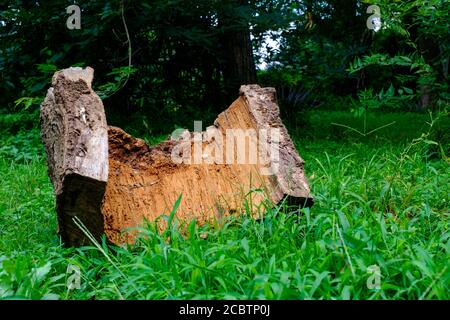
(41, 272)
(430, 142)
(245, 246)
(408, 90)
(174, 209)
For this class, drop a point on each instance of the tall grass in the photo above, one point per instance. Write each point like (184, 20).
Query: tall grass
(378, 202)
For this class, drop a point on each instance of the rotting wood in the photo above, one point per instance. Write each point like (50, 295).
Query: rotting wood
(75, 135)
(112, 181)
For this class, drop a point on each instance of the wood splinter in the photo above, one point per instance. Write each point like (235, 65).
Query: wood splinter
(112, 181)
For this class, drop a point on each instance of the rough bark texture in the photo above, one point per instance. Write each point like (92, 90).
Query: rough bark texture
(74, 131)
(238, 65)
(144, 182)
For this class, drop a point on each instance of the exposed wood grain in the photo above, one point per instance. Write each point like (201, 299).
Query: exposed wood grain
(113, 191)
(74, 132)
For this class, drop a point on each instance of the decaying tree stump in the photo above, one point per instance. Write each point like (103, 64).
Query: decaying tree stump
(111, 181)
(75, 134)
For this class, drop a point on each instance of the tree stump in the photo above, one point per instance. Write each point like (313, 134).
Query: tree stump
(110, 181)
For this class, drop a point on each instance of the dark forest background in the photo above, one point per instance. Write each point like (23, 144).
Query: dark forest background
(367, 111)
(160, 64)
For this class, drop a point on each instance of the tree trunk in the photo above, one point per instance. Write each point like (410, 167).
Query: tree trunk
(114, 182)
(239, 67)
(74, 132)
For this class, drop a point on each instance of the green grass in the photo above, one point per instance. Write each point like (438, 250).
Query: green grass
(380, 200)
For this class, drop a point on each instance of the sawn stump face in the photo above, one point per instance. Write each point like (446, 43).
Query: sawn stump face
(111, 181)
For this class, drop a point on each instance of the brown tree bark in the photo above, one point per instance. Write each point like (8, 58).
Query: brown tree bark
(111, 181)
(74, 132)
(239, 67)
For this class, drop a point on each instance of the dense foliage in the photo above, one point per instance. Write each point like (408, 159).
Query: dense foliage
(164, 63)
(367, 109)
(380, 200)
(157, 59)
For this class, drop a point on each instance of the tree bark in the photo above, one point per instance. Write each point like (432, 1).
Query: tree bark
(115, 182)
(239, 67)
(74, 132)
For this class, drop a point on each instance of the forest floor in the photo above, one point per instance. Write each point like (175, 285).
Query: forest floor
(379, 227)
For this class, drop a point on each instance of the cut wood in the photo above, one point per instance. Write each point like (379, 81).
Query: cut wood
(75, 135)
(112, 181)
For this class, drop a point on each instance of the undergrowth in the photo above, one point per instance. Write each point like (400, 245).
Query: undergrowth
(381, 201)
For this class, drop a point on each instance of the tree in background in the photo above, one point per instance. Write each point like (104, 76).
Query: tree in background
(182, 54)
(239, 65)
(328, 55)
(163, 63)
(411, 52)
